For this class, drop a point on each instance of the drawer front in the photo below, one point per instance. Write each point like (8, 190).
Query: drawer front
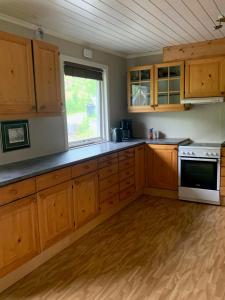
(222, 181)
(107, 157)
(126, 154)
(108, 171)
(107, 163)
(127, 193)
(222, 171)
(126, 183)
(108, 182)
(223, 161)
(109, 193)
(53, 178)
(84, 168)
(124, 174)
(110, 203)
(223, 152)
(17, 190)
(126, 164)
(222, 191)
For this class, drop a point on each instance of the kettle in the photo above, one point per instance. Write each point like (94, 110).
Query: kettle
(116, 135)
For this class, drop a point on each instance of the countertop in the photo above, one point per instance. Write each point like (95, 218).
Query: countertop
(28, 168)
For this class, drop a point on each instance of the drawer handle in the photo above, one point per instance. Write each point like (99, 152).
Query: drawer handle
(83, 210)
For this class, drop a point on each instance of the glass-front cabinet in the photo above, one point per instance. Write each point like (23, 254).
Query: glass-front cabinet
(140, 89)
(169, 86)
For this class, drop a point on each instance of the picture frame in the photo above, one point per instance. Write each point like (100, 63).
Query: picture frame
(15, 135)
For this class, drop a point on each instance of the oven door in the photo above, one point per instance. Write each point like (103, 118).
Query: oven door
(199, 173)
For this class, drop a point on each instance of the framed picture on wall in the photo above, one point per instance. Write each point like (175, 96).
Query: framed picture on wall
(15, 135)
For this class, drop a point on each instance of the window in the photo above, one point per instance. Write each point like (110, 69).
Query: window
(85, 103)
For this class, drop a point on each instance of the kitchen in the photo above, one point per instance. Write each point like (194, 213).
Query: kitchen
(91, 218)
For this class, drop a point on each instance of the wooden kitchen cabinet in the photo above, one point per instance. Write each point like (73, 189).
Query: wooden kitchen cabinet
(205, 77)
(140, 167)
(16, 80)
(162, 166)
(169, 86)
(140, 89)
(19, 240)
(85, 198)
(47, 77)
(55, 213)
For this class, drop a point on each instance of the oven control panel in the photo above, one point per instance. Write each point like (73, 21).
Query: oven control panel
(199, 152)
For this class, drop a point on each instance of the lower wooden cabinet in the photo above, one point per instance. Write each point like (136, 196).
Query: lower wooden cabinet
(162, 167)
(140, 167)
(18, 233)
(55, 213)
(85, 198)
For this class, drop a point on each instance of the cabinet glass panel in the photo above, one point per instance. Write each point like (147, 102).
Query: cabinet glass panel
(174, 98)
(174, 71)
(145, 87)
(162, 86)
(145, 75)
(174, 85)
(162, 99)
(140, 94)
(134, 75)
(163, 72)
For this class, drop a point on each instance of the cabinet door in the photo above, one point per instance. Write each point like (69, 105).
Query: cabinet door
(86, 198)
(55, 213)
(19, 233)
(16, 79)
(162, 166)
(205, 77)
(47, 77)
(140, 167)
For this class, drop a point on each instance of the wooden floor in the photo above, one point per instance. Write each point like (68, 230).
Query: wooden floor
(153, 249)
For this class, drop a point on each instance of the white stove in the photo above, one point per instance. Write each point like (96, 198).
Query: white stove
(199, 172)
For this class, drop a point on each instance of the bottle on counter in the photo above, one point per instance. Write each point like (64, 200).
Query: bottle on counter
(150, 133)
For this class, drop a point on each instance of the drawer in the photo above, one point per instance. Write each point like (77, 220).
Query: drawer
(17, 190)
(124, 174)
(223, 161)
(222, 191)
(107, 163)
(126, 154)
(53, 178)
(110, 203)
(107, 157)
(108, 182)
(222, 181)
(126, 183)
(223, 152)
(84, 168)
(126, 164)
(108, 171)
(110, 192)
(125, 194)
(222, 171)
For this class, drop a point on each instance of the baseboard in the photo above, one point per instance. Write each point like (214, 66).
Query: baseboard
(44, 256)
(161, 193)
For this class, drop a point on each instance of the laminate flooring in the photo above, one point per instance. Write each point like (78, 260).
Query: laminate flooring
(153, 249)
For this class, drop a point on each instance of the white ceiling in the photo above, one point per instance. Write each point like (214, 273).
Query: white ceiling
(126, 27)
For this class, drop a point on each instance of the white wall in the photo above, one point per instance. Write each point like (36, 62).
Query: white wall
(201, 123)
(47, 134)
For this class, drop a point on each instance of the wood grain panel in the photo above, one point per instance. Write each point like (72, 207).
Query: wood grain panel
(109, 203)
(128, 182)
(107, 163)
(126, 164)
(108, 193)
(126, 173)
(108, 171)
(17, 190)
(108, 182)
(84, 168)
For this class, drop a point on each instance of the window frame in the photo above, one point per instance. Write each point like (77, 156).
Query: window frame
(104, 107)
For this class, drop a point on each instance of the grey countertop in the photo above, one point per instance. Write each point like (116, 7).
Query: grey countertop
(28, 168)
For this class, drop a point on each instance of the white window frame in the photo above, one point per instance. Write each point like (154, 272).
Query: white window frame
(104, 108)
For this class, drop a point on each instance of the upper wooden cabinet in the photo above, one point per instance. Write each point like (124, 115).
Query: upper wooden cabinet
(19, 233)
(162, 167)
(140, 89)
(205, 77)
(47, 77)
(169, 86)
(16, 75)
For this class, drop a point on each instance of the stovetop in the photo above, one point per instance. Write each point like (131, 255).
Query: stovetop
(203, 145)
(198, 150)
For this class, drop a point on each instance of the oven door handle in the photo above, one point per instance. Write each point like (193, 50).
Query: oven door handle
(200, 159)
